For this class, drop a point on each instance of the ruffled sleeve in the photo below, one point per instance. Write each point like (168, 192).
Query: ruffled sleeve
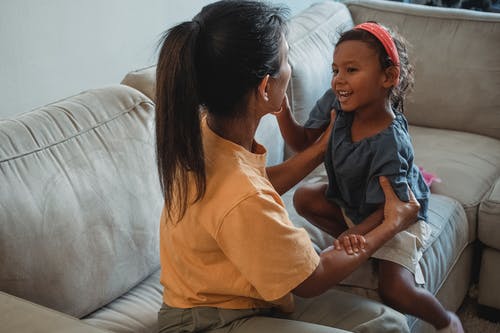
(393, 160)
(320, 114)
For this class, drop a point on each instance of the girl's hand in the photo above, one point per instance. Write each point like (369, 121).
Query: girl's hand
(351, 243)
(325, 137)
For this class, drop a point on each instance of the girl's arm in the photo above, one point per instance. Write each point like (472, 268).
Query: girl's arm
(295, 135)
(285, 175)
(335, 265)
(370, 223)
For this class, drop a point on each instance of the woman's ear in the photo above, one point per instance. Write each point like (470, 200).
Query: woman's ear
(263, 87)
(392, 76)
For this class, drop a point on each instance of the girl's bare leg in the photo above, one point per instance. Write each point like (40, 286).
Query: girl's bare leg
(310, 202)
(397, 289)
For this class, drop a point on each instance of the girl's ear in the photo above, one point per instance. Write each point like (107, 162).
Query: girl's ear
(263, 87)
(392, 76)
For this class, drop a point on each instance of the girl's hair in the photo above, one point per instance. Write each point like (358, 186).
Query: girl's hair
(210, 63)
(398, 93)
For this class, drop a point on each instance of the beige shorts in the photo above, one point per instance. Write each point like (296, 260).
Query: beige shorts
(405, 248)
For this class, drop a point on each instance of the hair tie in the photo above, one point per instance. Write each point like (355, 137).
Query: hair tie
(197, 23)
(384, 37)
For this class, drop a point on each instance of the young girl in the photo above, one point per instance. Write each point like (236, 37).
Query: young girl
(371, 76)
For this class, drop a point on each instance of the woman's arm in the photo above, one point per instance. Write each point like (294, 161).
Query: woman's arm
(285, 175)
(335, 265)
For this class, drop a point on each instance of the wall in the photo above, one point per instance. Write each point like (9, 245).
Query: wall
(50, 49)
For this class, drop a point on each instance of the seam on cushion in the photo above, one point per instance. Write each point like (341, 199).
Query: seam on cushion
(79, 133)
(434, 15)
(318, 27)
(448, 272)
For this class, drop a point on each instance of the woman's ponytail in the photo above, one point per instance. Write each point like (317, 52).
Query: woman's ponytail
(179, 148)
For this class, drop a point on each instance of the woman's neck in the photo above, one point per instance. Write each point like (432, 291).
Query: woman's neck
(240, 130)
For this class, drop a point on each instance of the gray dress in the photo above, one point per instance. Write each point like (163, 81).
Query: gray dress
(353, 168)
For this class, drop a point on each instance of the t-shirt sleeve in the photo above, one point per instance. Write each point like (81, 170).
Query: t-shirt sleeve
(320, 114)
(269, 251)
(391, 162)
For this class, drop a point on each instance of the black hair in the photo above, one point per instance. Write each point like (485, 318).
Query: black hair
(210, 63)
(398, 93)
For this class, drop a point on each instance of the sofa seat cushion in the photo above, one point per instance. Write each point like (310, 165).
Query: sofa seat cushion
(79, 200)
(467, 164)
(134, 312)
(489, 218)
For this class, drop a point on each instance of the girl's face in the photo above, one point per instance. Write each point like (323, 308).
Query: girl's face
(358, 79)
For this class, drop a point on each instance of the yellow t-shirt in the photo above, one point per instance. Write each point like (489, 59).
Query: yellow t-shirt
(235, 248)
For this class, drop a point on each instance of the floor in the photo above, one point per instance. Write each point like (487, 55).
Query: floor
(472, 321)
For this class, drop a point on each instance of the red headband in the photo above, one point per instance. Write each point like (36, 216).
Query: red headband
(384, 37)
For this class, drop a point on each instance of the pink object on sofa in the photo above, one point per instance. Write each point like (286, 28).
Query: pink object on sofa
(429, 177)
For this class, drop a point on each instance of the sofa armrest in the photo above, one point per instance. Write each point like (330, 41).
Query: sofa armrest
(489, 217)
(21, 316)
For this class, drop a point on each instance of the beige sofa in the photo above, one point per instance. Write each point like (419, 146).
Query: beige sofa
(80, 201)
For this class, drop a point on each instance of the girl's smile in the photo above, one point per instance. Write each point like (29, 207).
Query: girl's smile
(342, 95)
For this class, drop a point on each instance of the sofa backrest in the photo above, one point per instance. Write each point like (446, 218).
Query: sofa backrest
(80, 200)
(456, 54)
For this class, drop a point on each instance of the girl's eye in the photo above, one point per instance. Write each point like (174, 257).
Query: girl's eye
(351, 69)
(335, 71)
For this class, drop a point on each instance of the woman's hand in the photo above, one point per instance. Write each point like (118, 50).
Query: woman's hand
(325, 137)
(398, 214)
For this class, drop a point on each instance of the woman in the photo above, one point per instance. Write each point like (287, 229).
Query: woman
(231, 259)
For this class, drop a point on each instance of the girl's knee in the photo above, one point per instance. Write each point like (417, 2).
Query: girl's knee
(301, 201)
(307, 197)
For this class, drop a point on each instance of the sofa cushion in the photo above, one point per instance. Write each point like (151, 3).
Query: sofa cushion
(488, 218)
(467, 164)
(134, 312)
(143, 80)
(459, 88)
(80, 201)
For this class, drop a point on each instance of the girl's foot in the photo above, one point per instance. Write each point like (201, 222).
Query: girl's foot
(455, 326)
